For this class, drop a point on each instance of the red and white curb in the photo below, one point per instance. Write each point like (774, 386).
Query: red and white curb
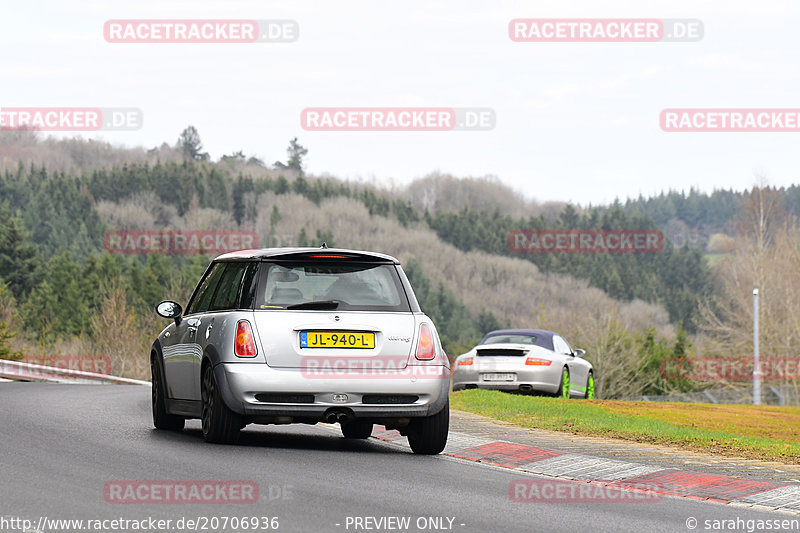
(577, 467)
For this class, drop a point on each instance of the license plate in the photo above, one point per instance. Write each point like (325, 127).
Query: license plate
(337, 339)
(498, 377)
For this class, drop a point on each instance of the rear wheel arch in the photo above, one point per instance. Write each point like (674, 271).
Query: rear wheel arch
(211, 354)
(210, 358)
(157, 358)
(225, 392)
(203, 365)
(162, 418)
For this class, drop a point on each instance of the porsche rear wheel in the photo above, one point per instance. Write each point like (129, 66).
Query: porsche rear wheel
(563, 387)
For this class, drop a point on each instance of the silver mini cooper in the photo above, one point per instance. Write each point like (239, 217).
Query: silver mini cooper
(302, 335)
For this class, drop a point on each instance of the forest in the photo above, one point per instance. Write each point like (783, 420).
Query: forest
(61, 293)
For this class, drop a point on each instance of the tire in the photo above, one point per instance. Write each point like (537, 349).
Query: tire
(357, 429)
(590, 387)
(220, 424)
(162, 419)
(428, 435)
(563, 386)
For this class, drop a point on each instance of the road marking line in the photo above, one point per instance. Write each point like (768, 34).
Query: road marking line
(573, 465)
(703, 486)
(788, 496)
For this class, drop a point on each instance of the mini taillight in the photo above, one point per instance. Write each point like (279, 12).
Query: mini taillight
(537, 362)
(245, 345)
(328, 257)
(465, 362)
(425, 348)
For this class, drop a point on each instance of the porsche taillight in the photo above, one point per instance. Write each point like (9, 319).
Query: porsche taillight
(245, 344)
(535, 361)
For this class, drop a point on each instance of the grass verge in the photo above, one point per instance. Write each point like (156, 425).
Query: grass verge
(766, 433)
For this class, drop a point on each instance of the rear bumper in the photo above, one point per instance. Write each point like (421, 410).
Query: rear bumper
(542, 379)
(507, 386)
(239, 384)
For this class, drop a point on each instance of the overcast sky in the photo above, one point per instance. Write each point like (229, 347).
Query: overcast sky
(575, 121)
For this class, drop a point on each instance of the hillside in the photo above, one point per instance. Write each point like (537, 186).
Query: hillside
(58, 198)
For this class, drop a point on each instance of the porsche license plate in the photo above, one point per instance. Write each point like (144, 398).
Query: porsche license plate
(337, 339)
(498, 377)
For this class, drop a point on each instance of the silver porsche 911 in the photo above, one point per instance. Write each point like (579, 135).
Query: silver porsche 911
(302, 335)
(525, 360)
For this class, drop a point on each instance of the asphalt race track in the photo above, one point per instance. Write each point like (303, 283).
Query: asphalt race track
(60, 446)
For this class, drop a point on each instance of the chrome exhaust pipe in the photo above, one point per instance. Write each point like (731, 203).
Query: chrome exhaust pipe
(338, 414)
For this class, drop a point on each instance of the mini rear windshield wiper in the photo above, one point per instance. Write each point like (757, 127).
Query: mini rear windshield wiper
(320, 304)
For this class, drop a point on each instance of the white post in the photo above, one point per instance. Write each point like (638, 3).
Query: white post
(756, 365)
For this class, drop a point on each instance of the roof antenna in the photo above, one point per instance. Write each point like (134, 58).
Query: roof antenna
(324, 245)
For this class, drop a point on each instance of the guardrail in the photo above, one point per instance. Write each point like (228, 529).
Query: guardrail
(19, 370)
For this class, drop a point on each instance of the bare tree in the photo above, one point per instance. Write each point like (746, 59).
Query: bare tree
(766, 256)
(117, 335)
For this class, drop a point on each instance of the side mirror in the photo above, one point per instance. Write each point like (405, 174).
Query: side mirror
(579, 353)
(170, 309)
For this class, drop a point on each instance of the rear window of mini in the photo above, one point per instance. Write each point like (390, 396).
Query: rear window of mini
(343, 286)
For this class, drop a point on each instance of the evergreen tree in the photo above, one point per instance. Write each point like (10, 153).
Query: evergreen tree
(191, 146)
(296, 153)
(18, 257)
(302, 238)
(7, 316)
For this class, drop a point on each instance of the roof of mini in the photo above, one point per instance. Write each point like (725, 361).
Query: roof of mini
(289, 253)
